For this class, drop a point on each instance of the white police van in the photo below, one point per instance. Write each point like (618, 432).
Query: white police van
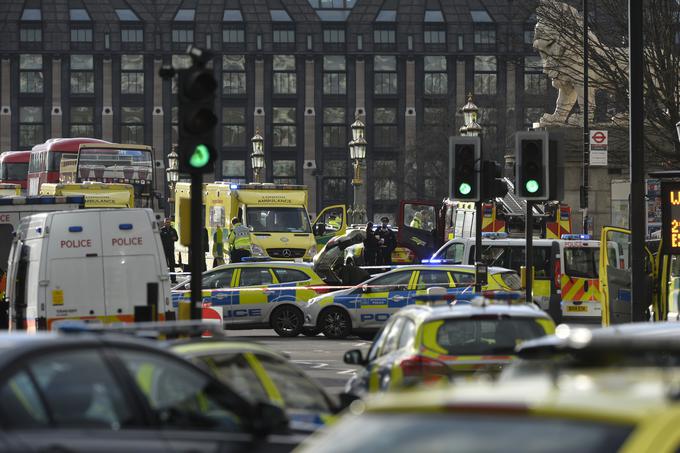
(88, 264)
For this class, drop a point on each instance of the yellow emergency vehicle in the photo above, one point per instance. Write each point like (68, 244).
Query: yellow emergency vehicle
(276, 215)
(9, 190)
(97, 194)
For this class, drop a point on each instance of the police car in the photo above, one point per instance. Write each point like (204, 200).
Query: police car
(259, 295)
(606, 411)
(431, 343)
(364, 308)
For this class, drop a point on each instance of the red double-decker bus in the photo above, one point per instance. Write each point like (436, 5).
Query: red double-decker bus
(14, 167)
(46, 158)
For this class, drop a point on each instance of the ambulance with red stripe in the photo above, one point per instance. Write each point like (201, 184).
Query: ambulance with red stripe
(566, 271)
(88, 265)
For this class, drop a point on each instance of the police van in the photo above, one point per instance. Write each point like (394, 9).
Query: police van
(87, 264)
(566, 270)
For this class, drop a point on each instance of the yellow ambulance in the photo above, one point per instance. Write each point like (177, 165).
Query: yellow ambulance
(97, 194)
(276, 215)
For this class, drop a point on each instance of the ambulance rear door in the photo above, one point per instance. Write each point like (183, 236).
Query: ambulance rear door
(131, 261)
(73, 266)
(615, 275)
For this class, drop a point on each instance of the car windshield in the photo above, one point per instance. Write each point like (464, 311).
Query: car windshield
(486, 334)
(581, 261)
(482, 433)
(278, 220)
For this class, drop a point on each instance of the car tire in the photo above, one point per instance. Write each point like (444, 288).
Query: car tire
(287, 321)
(310, 331)
(335, 323)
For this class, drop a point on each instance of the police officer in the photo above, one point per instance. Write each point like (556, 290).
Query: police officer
(417, 221)
(334, 222)
(370, 246)
(239, 241)
(387, 242)
(218, 247)
(168, 238)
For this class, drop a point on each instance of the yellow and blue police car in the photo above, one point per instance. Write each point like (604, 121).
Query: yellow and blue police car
(364, 308)
(259, 294)
(572, 411)
(262, 375)
(424, 343)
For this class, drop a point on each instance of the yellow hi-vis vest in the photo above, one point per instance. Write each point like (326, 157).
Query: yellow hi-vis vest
(239, 237)
(415, 223)
(334, 223)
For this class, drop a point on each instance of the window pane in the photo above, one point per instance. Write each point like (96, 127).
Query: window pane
(82, 82)
(283, 168)
(127, 15)
(78, 14)
(335, 83)
(385, 115)
(185, 15)
(19, 399)
(132, 62)
(233, 63)
(285, 83)
(232, 15)
(334, 63)
(234, 168)
(335, 115)
(435, 63)
(31, 82)
(82, 62)
(30, 61)
(82, 114)
(233, 115)
(337, 168)
(132, 114)
(436, 83)
(132, 83)
(385, 83)
(79, 390)
(31, 14)
(434, 115)
(385, 63)
(234, 83)
(284, 135)
(485, 83)
(485, 63)
(334, 136)
(30, 114)
(284, 63)
(283, 114)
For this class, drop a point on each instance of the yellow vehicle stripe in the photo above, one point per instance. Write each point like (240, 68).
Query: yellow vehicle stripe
(265, 380)
(374, 380)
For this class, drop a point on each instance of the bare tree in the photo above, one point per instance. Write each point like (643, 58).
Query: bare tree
(560, 35)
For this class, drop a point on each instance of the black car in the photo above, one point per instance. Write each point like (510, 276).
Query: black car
(107, 392)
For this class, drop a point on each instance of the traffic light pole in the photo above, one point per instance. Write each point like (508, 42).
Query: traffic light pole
(529, 255)
(478, 240)
(196, 247)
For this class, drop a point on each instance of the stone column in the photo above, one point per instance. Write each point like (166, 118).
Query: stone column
(259, 115)
(461, 95)
(510, 102)
(57, 114)
(107, 101)
(410, 154)
(5, 109)
(159, 149)
(309, 170)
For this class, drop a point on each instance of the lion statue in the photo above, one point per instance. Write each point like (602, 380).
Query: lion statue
(562, 55)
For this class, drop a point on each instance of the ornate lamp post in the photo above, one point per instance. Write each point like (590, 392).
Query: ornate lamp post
(471, 128)
(257, 157)
(357, 152)
(677, 128)
(172, 175)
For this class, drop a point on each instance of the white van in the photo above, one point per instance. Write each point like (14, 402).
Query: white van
(566, 270)
(89, 265)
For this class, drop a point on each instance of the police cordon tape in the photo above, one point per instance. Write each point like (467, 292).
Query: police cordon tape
(392, 266)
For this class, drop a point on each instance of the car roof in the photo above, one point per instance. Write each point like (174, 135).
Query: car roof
(428, 313)
(17, 344)
(448, 267)
(208, 346)
(265, 264)
(617, 395)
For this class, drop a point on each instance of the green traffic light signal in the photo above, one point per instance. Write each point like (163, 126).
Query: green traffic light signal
(531, 186)
(465, 188)
(200, 157)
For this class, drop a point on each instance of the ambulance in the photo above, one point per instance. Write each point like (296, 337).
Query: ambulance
(566, 271)
(87, 265)
(97, 194)
(276, 215)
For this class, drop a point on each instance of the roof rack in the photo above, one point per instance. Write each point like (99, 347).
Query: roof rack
(151, 330)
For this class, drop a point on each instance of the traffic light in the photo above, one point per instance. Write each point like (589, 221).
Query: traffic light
(533, 165)
(493, 185)
(196, 119)
(465, 155)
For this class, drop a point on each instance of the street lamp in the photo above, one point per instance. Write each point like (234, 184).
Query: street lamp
(470, 110)
(357, 152)
(257, 157)
(172, 174)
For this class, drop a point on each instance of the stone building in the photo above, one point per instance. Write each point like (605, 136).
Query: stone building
(300, 71)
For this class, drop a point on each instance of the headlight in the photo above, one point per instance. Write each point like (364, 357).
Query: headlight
(312, 250)
(256, 250)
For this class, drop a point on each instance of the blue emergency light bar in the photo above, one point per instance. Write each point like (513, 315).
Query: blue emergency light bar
(75, 229)
(438, 261)
(256, 259)
(125, 226)
(576, 237)
(494, 235)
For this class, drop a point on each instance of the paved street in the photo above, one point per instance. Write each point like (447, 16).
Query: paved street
(320, 357)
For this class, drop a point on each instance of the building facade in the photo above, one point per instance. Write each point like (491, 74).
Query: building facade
(299, 71)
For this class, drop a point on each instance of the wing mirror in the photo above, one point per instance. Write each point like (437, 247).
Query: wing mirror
(354, 357)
